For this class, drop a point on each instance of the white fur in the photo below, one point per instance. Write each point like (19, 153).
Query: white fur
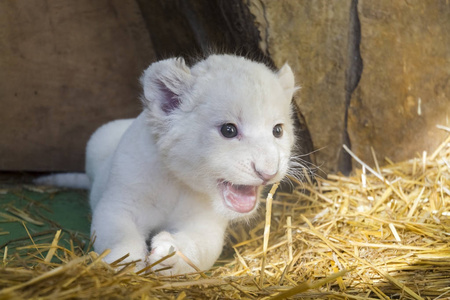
(158, 175)
(70, 180)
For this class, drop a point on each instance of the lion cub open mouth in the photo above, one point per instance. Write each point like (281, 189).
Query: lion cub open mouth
(239, 198)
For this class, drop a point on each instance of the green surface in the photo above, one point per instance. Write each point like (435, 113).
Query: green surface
(42, 212)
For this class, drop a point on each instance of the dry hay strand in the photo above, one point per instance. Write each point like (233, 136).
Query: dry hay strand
(383, 233)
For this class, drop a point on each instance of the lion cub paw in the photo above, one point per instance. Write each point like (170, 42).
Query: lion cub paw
(164, 244)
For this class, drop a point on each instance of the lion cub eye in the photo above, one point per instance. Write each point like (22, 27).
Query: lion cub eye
(229, 130)
(278, 130)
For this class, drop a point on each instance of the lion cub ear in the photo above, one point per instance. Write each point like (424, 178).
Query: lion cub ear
(287, 81)
(164, 84)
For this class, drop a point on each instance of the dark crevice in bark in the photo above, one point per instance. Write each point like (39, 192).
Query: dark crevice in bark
(353, 75)
(196, 28)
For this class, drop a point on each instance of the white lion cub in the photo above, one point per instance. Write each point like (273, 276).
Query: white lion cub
(208, 138)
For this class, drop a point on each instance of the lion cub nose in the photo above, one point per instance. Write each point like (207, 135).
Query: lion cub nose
(265, 176)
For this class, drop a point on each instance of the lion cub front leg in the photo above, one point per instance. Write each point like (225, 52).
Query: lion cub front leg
(200, 243)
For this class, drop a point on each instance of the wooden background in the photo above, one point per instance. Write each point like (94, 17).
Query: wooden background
(66, 67)
(373, 73)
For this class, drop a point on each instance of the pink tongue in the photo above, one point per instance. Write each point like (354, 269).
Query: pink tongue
(240, 198)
